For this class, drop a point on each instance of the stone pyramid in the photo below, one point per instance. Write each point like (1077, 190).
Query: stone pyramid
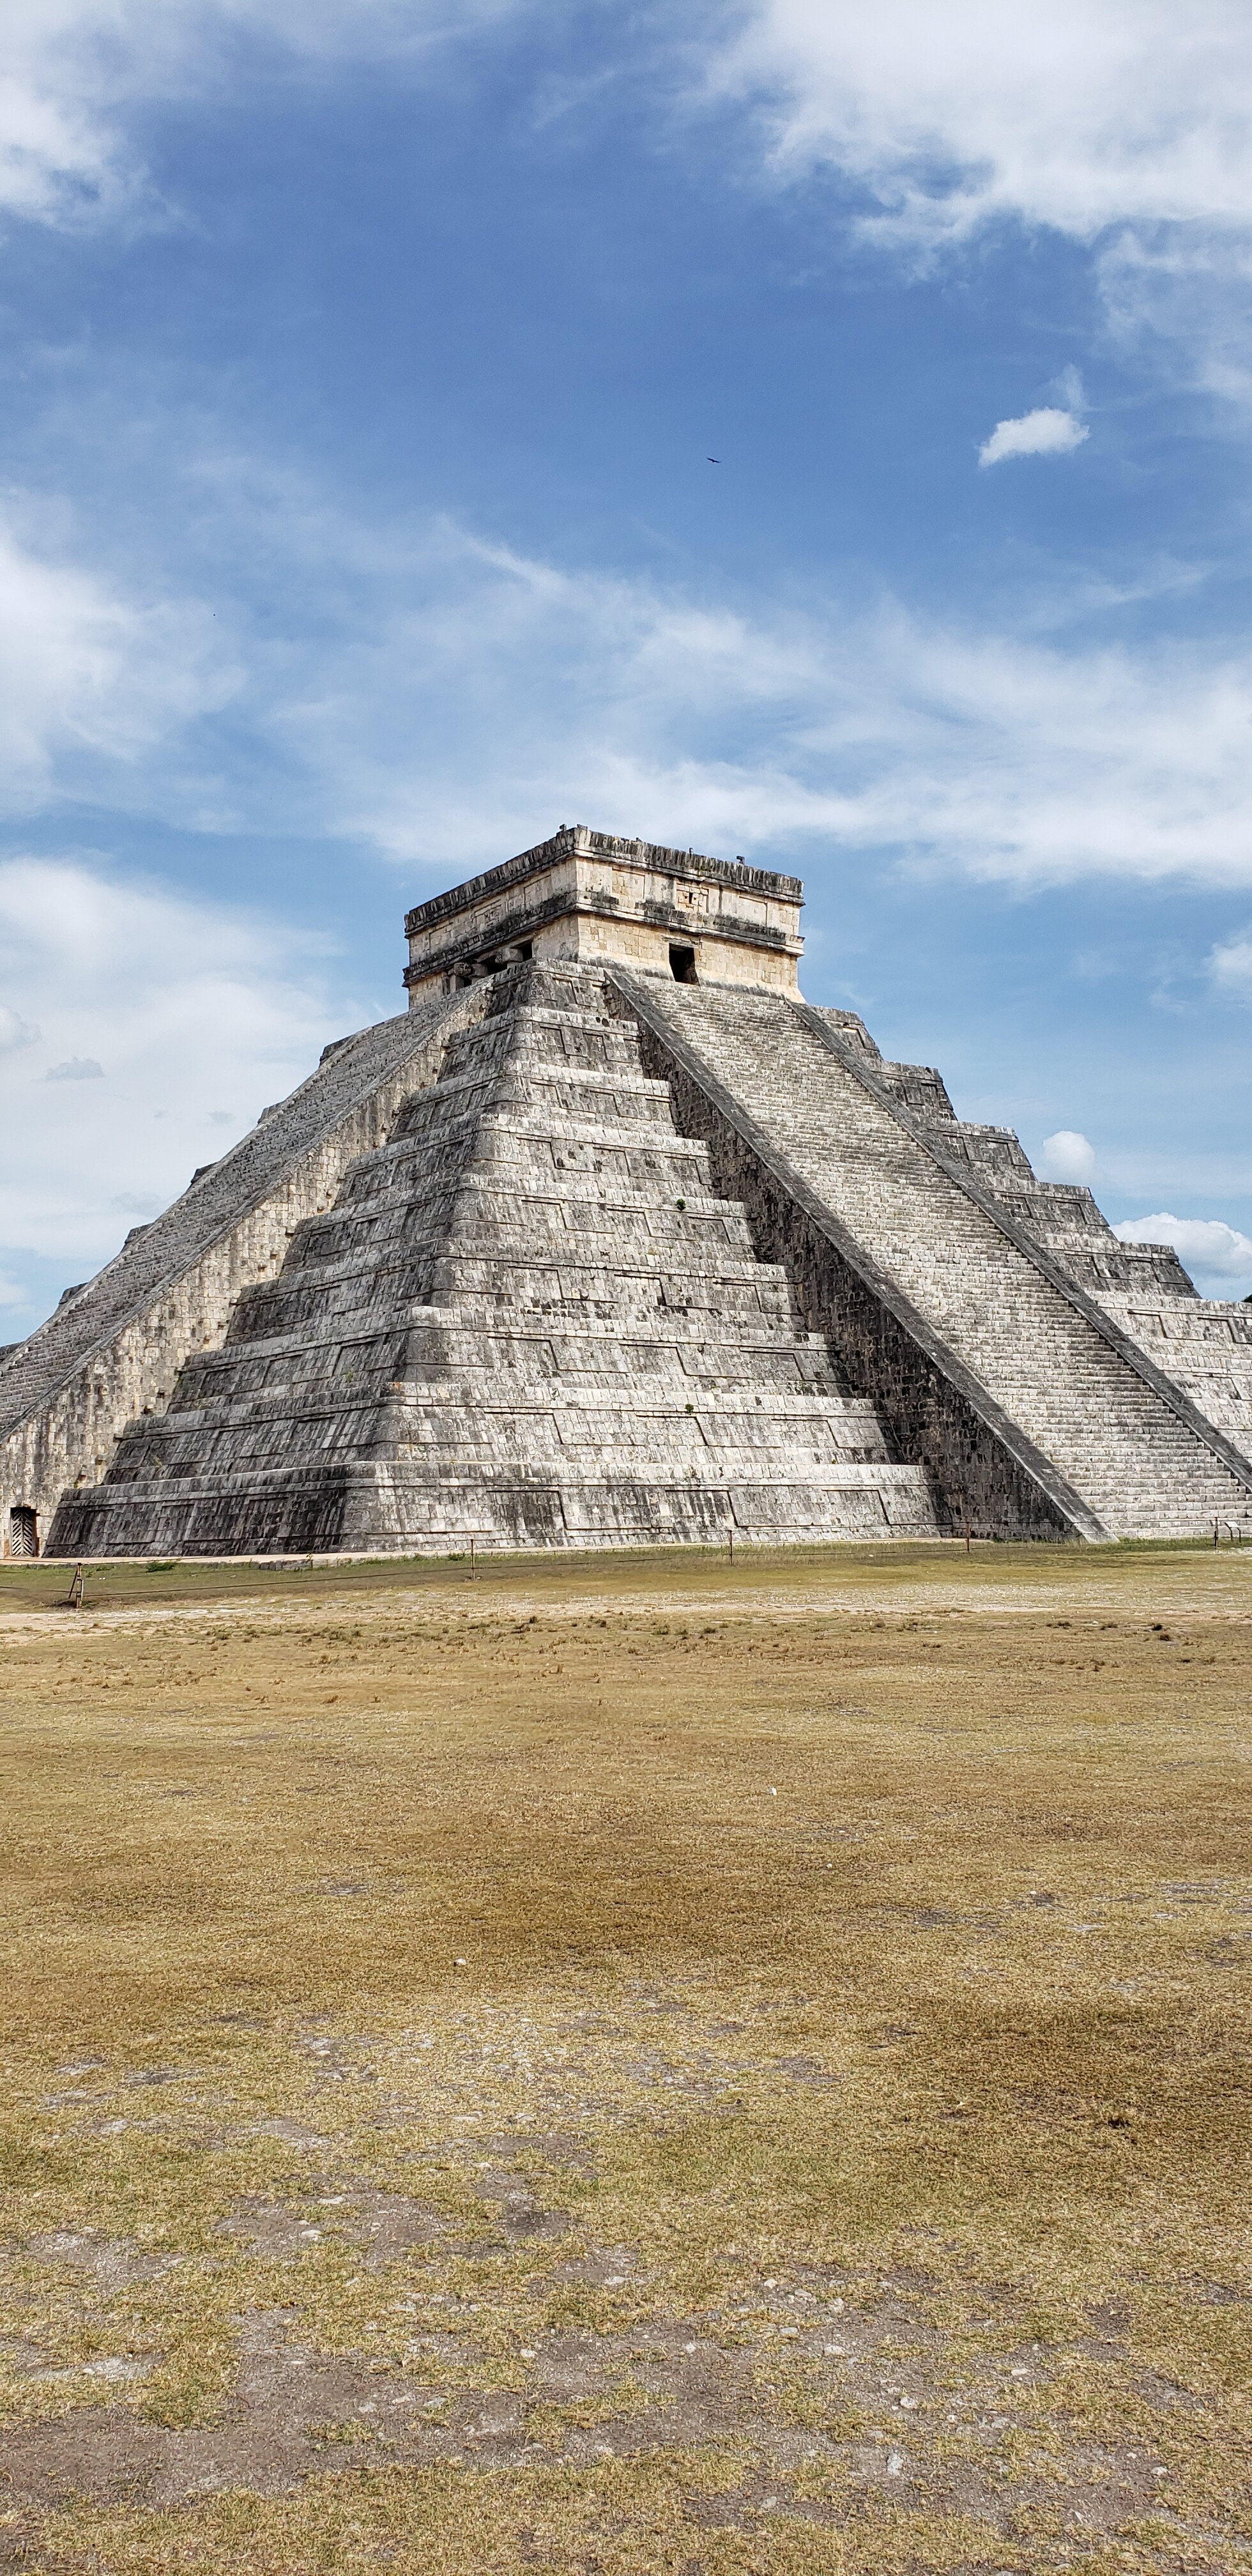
(526, 1319)
(613, 1237)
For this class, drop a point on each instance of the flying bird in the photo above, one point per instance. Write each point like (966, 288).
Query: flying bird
(712, 460)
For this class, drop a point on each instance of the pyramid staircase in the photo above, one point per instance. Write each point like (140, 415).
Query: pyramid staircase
(526, 1321)
(1085, 1414)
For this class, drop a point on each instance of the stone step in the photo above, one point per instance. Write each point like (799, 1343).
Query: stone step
(597, 1415)
(503, 1141)
(598, 1406)
(574, 1044)
(650, 1462)
(598, 1231)
(673, 1207)
(570, 1293)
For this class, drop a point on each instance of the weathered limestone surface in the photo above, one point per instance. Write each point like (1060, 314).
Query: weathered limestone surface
(919, 1253)
(584, 896)
(1203, 1344)
(527, 1319)
(113, 1349)
(613, 1238)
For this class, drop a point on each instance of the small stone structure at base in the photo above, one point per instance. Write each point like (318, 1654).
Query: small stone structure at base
(612, 1239)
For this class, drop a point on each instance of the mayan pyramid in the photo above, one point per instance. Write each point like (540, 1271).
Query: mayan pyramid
(613, 1239)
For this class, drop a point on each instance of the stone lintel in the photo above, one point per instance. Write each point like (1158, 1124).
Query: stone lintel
(594, 896)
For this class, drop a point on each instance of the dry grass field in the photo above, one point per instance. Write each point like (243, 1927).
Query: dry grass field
(628, 2065)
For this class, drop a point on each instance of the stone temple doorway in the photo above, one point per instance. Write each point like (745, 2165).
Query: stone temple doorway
(23, 1531)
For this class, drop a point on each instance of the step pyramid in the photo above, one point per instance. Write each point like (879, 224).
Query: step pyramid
(527, 1320)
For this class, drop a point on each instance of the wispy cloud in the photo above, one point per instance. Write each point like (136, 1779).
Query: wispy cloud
(1127, 129)
(488, 693)
(170, 993)
(73, 73)
(443, 696)
(1095, 117)
(14, 1030)
(1230, 966)
(90, 673)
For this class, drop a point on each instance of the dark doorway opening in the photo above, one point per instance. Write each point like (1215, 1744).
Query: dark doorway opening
(23, 1531)
(682, 964)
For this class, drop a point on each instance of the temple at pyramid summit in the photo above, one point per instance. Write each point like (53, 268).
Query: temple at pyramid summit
(610, 1239)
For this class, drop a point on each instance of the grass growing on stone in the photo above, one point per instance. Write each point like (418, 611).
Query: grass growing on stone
(627, 2064)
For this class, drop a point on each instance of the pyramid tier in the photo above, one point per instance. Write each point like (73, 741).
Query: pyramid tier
(442, 1345)
(380, 1512)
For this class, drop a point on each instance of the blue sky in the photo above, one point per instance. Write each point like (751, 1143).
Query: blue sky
(360, 366)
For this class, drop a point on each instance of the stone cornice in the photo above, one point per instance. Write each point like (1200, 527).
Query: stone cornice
(576, 841)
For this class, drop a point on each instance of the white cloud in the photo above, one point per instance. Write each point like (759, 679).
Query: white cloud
(1217, 1255)
(1037, 433)
(443, 697)
(1090, 114)
(690, 719)
(77, 1068)
(1067, 1156)
(1124, 124)
(173, 995)
(1093, 115)
(1230, 966)
(72, 72)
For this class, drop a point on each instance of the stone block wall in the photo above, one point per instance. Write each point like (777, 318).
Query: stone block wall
(588, 896)
(113, 1351)
(1203, 1343)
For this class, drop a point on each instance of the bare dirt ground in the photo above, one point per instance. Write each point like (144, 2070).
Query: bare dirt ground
(628, 2065)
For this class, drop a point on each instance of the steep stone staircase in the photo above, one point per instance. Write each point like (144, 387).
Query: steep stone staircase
(1107, 1429)
(1203, 1344)
(527, 1320)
